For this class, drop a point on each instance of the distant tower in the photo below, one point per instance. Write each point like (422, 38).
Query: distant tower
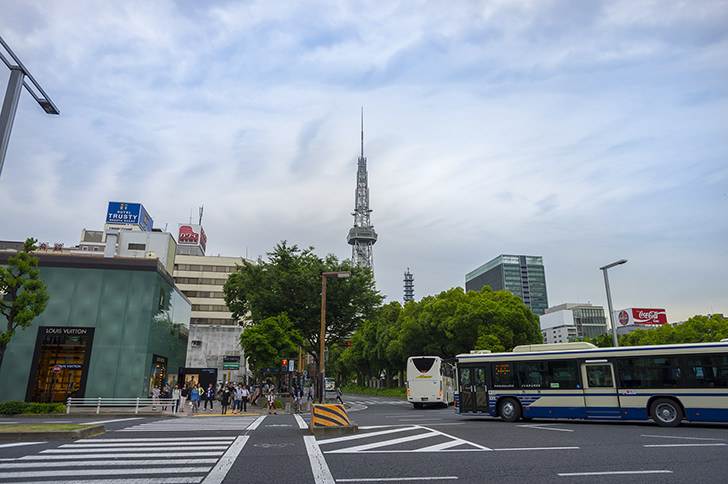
(409, 287)
(362, 236)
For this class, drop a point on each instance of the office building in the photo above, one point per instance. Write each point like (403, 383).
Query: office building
(521, 275)
(582, 320)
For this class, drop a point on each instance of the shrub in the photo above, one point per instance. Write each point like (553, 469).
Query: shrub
(16, 407)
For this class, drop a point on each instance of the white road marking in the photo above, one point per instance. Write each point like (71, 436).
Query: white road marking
(687, 445)
(105, 472)
(111, 421)
(156, 480)
(19, 444)
(682, 438)
(360, 448)
(126, 455)
(104, 444)
(301, 422)
(544, 427)
(397, 479)
(137, 449)
(364, 436)
(217, 475)
(610, 473)
(111, 463)
(535, 448)
(257, 423)
(150, 439)
(321, 472)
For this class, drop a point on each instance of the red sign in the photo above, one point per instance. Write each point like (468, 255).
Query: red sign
(57, 369)
(642, 316)
(192, 235)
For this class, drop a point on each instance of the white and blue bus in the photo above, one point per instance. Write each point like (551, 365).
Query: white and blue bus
(430, 381)
(667, 383)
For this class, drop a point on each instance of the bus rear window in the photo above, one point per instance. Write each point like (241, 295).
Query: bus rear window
(423, 365)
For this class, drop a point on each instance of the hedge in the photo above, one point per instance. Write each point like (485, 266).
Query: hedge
(16, 407)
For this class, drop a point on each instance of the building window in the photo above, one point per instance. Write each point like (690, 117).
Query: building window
(137, 246)
(196, 343)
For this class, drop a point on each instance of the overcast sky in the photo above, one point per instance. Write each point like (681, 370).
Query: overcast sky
(580, 131)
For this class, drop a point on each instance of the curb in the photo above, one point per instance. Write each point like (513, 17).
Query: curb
(89, 431)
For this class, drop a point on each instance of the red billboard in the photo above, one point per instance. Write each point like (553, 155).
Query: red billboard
(192, 235)
(641, 316)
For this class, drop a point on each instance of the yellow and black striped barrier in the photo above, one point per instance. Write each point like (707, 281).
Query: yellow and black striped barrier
(331, 419)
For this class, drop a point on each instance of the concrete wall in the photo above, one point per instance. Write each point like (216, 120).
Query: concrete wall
(208, 344)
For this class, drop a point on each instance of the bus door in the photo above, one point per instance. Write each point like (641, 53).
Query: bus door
(600, 390)
(473, 389)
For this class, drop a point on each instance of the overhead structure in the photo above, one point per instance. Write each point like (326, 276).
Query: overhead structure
(18, 77)
(362, 235)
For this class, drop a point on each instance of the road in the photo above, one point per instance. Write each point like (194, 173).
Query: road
(395, 443)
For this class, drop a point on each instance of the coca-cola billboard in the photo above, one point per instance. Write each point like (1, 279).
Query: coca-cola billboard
(641, 316)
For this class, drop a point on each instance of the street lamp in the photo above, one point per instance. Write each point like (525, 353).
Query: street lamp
(609, 298)
(18, 76)
(324, 276)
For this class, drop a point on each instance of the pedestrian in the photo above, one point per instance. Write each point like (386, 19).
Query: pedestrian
(155, 397)
(256, 394)
(225, 398)
(338, 395)
(271, 398)
(244, 395)
(310, 393)
(176, 395)
(165, 397)
(195, 396)
(237, 402)
(183, 396)
(298, 398)
(209, 396)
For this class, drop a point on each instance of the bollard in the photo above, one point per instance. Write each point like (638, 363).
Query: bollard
(136, 410)
(68, 405)
(98, 406)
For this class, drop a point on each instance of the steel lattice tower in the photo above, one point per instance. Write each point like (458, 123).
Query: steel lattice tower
(409, 286)
(362, 236)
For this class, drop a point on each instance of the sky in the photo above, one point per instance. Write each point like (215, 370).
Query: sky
(582, 132)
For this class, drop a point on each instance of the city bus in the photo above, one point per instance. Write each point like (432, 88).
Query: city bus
(665, 383)
(430, 380)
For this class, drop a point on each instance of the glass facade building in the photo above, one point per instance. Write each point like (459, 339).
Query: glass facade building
(112, 328)
(521, 275)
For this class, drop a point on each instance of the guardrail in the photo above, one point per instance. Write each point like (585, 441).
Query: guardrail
(100, 402)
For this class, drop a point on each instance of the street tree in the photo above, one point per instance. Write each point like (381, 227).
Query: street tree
(289, 282)
(23, 294)
(266, 343)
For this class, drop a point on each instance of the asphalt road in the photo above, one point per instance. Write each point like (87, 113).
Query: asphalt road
(395, 443)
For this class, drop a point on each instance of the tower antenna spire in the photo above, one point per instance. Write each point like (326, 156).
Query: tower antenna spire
(362, 236)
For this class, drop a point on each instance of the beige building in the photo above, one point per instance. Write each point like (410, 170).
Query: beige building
(201, 279)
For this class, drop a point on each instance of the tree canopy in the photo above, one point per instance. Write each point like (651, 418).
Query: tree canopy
(269, 341)
(445, 325)
(289, 282)
(23, 294)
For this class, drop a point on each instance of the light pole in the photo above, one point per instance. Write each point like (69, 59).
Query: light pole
(322, 359)
(18, 76)
(609, 298)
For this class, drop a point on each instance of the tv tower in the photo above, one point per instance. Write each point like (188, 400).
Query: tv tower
(362, 236)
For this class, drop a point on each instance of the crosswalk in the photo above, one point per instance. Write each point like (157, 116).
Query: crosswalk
(405, 439)
(192, 424)
(127, 461)
(370, 402)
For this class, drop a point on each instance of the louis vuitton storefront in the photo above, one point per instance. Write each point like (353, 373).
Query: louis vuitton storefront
(112, 328)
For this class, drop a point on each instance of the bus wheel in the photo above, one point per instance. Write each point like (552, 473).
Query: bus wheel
(509, 410)
(666, 413)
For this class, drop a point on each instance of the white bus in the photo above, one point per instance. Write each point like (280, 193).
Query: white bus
(430, 380)
(667, 383)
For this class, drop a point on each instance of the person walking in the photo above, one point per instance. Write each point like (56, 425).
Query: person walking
(271, 398)
(183, 396)
(338, 395)
(256, 394)
(298, 399)
(237, 399)
(209, 396)
(155, 397)
(195, 396)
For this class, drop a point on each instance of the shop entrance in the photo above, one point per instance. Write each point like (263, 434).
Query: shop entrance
(60, 364)
(158, 377)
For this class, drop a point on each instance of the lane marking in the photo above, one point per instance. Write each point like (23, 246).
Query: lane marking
(151, 439)
(364, 436)
(106, 445)
(543, 427)
(126, 455)
(535, 448)
(256, 423)
(106, 472)
(156, 480)
(611, 473)
(19, 444)
(682, 438)
(401, 440)
(321, 472)
(481, 447)
(134, 449)
(397, 479)
(687, 445)
(112, 462)
(218, 473)
(301, 422)
(111, 421)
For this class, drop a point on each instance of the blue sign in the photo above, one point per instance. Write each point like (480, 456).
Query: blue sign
(129, 214)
